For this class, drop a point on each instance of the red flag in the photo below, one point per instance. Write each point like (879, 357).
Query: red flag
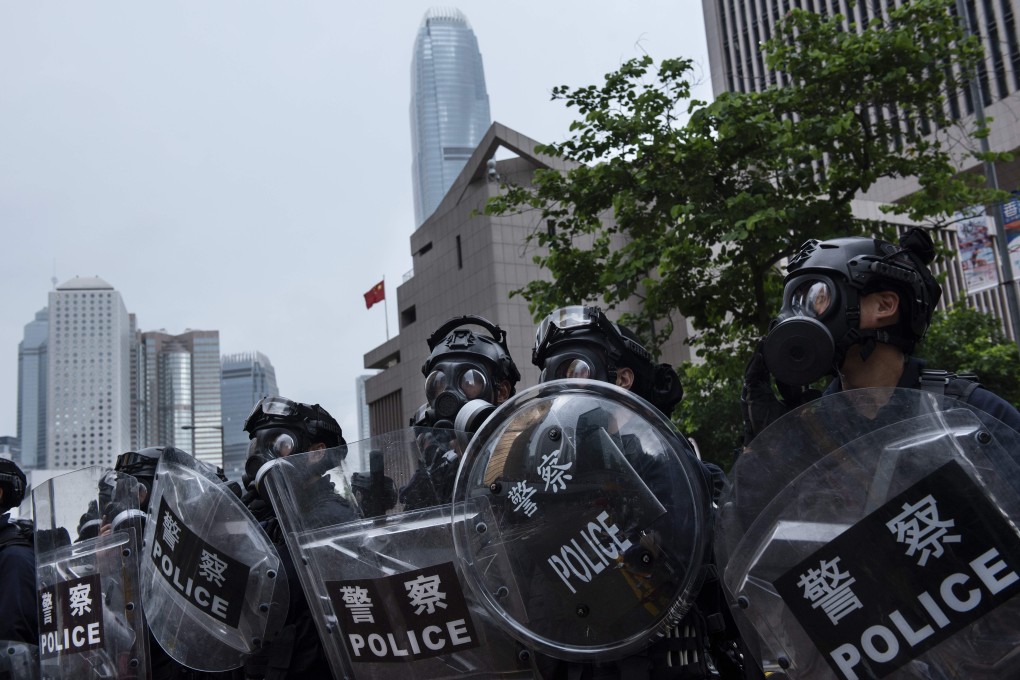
(377, 294)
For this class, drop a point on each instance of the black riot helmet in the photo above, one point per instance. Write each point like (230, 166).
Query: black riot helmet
(142, 466)
(820, 318)
(279, 427)
(464, 365)
(580, 342)
(14, 484)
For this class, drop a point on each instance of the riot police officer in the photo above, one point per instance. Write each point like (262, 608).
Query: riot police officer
(19, 619)
(581, 342)
(467, 374)
(465, 366)
(279, 427)
(855, 308)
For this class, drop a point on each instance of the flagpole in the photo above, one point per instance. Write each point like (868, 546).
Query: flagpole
(386, 309)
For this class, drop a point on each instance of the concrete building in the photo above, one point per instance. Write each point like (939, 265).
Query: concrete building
(33, 369)
(467, 263)
(449, 105)
(178, 393)
(735, 31)
(88, 392)
(245, 378)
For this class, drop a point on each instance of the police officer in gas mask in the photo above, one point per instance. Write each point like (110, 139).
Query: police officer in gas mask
(467, 374)
(854, 308)
(581, 342)
(464, 366)
(141, 465)
(279, 427)
(19, 619)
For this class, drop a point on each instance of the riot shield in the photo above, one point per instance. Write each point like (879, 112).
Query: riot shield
(86, 541)
(368, 526)
(597, 508)
(212, 583)
(873, 534)
(18, 661)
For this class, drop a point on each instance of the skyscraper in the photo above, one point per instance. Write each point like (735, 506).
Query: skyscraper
(449, 105)
(245, 378)
(89, 383)
(178, 393)
(32, 371)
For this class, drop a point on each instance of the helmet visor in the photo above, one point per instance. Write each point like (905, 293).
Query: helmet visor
(813, 298)
(565, 318)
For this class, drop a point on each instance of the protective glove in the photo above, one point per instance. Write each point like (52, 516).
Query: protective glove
(758, 401)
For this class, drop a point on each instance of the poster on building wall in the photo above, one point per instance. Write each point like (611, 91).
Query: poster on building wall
(1011, 223)
(976, 243)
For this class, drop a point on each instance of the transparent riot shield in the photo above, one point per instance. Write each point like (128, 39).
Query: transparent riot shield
(369, 526)
(18, 661)
(873, 534)
(212, 582)
(597, 508)
(86, 541)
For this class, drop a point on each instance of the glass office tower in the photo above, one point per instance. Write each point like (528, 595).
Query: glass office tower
(178, 393)
(449, 105)
(33, 368)
(244, 378)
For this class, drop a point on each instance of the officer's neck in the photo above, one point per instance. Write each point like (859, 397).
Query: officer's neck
(882, 368)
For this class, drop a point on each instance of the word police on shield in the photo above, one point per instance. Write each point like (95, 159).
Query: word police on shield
(209, 579)
(408, 616)
(940, 556)
(71, 617)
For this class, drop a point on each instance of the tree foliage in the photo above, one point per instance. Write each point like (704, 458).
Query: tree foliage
(964, 339)
(707, 198)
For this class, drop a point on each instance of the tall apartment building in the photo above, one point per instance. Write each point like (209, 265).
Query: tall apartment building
(178, 393)
(33, 369)
(466, 262)
(244, 379)
(735, 30)
(89, 375)
(449, 105)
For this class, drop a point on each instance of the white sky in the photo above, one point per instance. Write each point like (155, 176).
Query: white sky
(246, 166)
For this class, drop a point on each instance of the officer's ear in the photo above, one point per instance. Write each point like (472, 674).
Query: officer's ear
(317, 446)
(879, 309)
(625, 378)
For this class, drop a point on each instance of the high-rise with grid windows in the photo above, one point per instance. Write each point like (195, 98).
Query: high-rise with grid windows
(89, 375)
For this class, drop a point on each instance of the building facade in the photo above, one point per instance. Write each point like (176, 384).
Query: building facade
(33, 369)
(88, 388)
(245, 378)
(449, 105)
(178, 393)
(735, 30)
(466, 262)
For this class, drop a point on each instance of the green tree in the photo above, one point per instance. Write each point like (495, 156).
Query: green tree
(707, 198)
(964, 339)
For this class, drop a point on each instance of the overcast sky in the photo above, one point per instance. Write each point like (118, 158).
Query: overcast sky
(246, 166)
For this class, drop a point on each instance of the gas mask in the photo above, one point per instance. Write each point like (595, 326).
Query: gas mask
(279, 427)
(577, 360)
(451, 384)
(801, 346)
(464, 367)
(820, 318)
